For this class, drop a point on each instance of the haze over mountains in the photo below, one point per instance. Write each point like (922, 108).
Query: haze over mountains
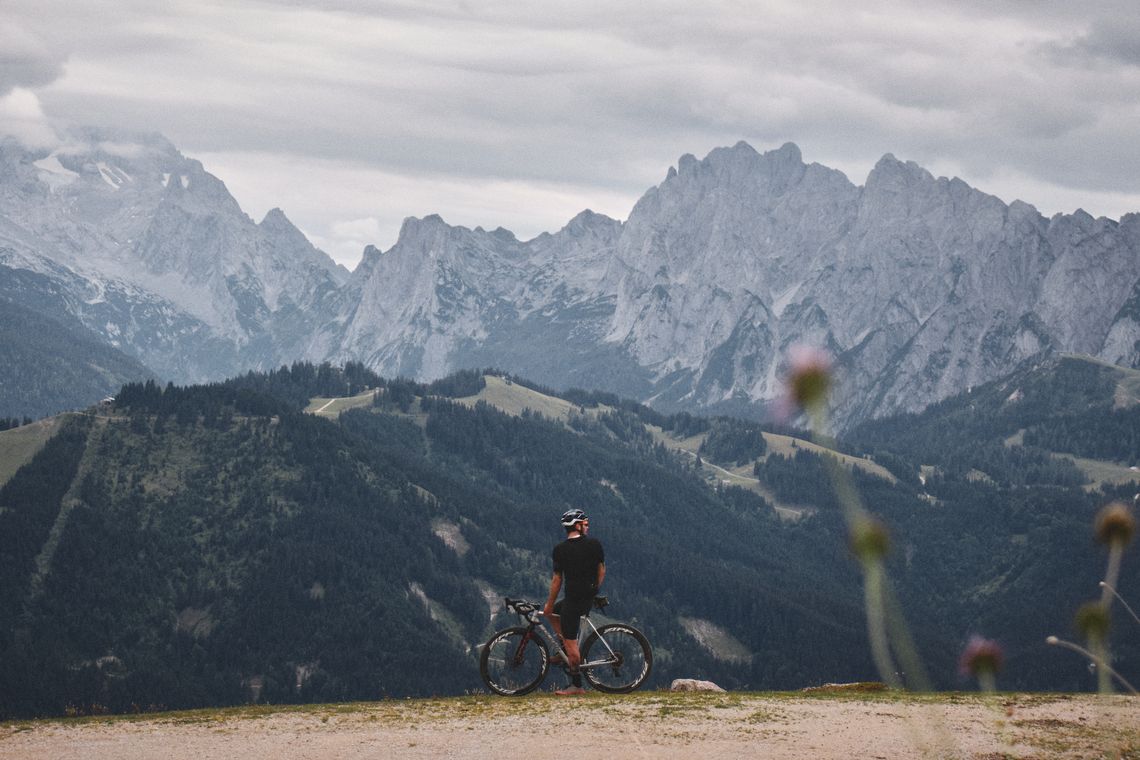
(920, 286)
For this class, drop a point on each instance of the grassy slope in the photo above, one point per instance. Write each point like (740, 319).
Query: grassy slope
(1098, 471)
(19, 445)
(1128, 381)
(1103, 473)
(332, 407)
(514, 399)
(1127, 394)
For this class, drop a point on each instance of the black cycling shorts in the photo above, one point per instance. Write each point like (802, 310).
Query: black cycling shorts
(570, 612)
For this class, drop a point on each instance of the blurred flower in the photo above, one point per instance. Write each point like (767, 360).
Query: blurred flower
(1115, 524)
(809, 377)
(980, 657)
(1092, 621)
(870, 539)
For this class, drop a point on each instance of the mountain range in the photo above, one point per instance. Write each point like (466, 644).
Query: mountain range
(919, 286)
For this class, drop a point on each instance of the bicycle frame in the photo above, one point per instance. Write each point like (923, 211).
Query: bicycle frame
(556, 647)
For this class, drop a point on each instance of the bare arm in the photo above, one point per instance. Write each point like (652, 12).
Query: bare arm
(555, 587)
(601, 573)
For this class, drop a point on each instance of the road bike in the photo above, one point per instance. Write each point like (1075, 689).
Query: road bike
(616, 657)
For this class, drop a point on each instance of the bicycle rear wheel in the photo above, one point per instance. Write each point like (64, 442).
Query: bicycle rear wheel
(514, 662)
(625, 658)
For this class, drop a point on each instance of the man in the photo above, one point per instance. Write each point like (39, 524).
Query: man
(579, 567)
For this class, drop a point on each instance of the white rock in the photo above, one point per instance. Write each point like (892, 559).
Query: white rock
(692, 684)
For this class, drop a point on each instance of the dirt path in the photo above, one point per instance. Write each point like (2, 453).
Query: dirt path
(327, 404)
(651, 725)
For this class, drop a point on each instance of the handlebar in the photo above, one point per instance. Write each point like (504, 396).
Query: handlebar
(532, 611)
(524, 608)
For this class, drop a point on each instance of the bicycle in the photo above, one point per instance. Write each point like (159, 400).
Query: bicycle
(515, 660)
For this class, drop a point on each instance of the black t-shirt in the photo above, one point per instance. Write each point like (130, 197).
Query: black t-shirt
(578, 559)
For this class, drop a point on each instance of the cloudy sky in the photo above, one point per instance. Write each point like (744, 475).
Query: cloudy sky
(353, 114)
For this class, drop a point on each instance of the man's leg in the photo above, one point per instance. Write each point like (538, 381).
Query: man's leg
(573, 656)
(556, 623)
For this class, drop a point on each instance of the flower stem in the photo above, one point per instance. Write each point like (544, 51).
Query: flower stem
(1121, 600)
(1111, 573)
(1100, 643)
(1100, 664)
(873, 580)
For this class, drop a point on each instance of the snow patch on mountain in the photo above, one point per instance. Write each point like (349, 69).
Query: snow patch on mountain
(53, 173)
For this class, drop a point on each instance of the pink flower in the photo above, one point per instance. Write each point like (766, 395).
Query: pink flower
(809, 377)
(980, 657)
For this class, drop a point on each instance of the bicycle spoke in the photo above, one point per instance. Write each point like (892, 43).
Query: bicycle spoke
(514, 662)
(621, 661)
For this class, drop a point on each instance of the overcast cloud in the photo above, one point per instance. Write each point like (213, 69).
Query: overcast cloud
(352, 115)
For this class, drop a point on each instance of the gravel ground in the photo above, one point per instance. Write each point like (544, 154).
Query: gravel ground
(647, 725)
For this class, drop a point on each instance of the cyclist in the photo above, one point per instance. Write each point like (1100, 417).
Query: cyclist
(579, 567)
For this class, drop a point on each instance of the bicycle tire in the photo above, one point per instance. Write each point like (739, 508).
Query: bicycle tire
(633, 667)
(502, 670)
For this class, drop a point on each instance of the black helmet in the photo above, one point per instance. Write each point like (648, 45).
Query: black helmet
(571, 516)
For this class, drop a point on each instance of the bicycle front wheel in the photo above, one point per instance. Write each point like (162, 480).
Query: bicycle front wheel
(514, 662)
(617, 659)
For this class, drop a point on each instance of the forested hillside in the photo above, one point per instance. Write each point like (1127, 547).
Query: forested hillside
(217, 544)
(48, 366)
(1069, 405)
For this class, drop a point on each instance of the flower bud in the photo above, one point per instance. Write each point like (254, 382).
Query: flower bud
(1115, 524)
(1092, 621)
(870, 539)
(809, 379)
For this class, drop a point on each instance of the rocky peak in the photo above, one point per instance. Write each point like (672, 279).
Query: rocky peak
(421, 233)
(687, 164)
(365, 268)
(590, 223)
(371, 255)
(896, 190)
(276, 221)
(742, 166)
(741, 154)
(279, 229)
(892, 175)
